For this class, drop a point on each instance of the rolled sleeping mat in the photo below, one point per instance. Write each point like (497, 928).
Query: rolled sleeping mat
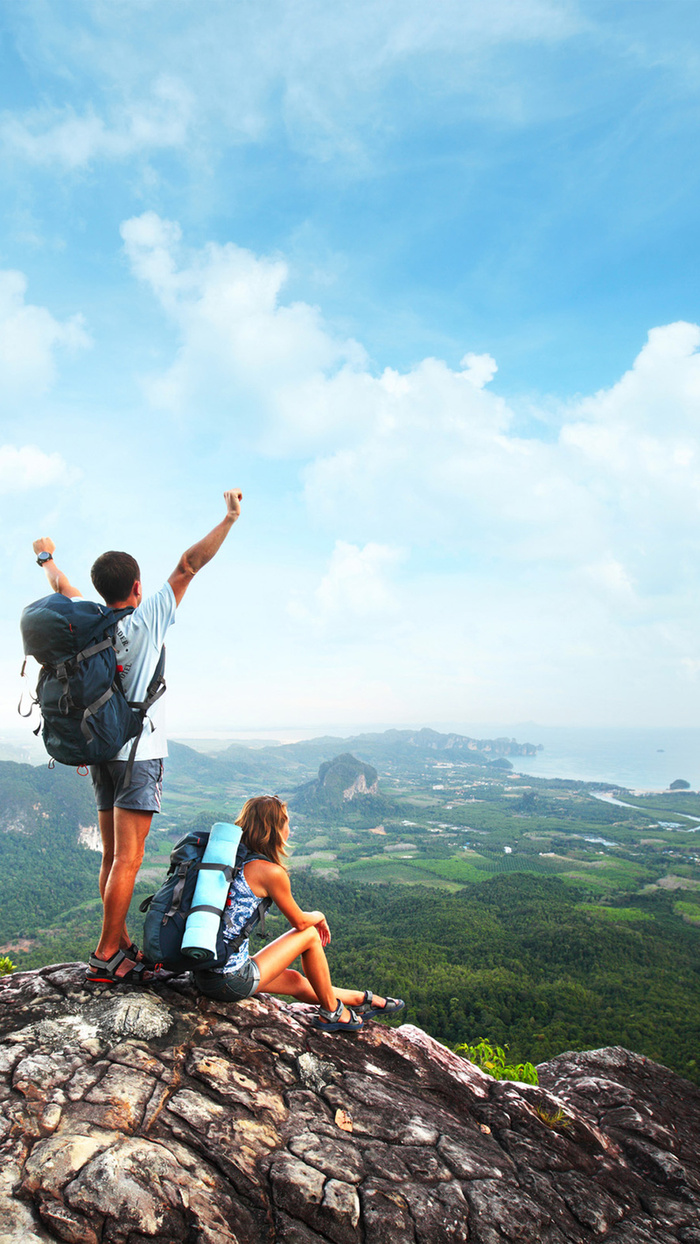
(211, 892)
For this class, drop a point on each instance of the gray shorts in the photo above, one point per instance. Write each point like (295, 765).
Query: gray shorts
(143, 794)
(232, 987)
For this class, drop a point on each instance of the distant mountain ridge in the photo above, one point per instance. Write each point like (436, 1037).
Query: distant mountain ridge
(290, 757)
(424, 739)
(432, 740)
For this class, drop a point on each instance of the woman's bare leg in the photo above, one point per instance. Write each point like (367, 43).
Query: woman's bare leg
(315, 986)
(298, 986)
(278, 955)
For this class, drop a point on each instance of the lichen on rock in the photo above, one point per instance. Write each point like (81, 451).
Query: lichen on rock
(134, 1115)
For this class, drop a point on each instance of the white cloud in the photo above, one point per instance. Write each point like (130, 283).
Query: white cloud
(636, 445)
(479, 368)
(354, 593)
(29, 337)
(430, 455)
(588, 539)
(26, 468)
(65, 137)
(621, 485)
(439, 460)
(339, 79)
(243, 352)
(608, 577)
(659, 394)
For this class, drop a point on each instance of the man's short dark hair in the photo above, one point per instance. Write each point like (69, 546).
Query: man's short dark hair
(114, 574)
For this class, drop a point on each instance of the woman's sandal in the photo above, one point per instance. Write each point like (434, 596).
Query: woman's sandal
(368, 1009)
(121, 969)
(330, 1021)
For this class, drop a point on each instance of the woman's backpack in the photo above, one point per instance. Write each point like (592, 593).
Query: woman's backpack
(167, 910)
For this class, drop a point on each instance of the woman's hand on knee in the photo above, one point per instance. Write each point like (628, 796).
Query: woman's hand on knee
(318, 922)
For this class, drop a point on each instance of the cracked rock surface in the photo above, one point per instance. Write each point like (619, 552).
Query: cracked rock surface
(131, 1115)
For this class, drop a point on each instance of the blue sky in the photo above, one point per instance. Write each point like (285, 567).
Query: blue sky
(422, 280)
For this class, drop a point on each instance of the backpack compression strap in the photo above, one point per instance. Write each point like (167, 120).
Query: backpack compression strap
(65, 704)
(229, 873)
(176, 898)
(109, 642)
(227, 870)
(258, 915)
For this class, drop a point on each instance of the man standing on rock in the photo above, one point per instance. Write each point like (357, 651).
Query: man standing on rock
(125, 807)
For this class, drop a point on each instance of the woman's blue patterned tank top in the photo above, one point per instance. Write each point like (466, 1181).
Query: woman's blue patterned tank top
(241, 905)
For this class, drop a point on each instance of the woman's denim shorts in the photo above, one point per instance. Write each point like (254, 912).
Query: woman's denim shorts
(232, 987)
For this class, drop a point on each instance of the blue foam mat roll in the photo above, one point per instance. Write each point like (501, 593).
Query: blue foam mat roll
(202, 927)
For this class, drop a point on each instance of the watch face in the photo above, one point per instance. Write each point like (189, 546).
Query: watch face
(43, 557)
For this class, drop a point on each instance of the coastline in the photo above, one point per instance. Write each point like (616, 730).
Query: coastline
(641, 761)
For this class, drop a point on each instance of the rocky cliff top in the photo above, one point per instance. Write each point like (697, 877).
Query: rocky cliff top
(132, 1116)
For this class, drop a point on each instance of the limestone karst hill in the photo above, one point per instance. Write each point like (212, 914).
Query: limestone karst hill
(132, 1116)
(339, 781)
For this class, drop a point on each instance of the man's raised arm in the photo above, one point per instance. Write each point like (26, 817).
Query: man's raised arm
(58, 581)
(203, 551)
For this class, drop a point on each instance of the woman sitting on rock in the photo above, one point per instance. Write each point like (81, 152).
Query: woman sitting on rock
(265, 827)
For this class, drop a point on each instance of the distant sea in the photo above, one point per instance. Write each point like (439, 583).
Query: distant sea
(640, 759)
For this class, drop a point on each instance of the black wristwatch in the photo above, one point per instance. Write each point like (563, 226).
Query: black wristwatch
(43, 558)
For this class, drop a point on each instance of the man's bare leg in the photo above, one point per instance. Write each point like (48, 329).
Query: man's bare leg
(106, 823)
(124, 835)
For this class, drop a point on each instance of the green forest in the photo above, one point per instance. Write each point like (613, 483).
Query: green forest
(524, 961)
(542, 915)
(44, 870)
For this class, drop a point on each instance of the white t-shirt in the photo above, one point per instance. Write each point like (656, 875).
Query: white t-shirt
(140, 637)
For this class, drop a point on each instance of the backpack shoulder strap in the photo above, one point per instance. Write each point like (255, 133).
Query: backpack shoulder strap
(257, 916)
(156, 686)
(243, 857)
(118, 614)
(155, 689)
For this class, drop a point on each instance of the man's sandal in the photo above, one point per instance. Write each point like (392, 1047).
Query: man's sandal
(121, 969)
(368, 1008)
(330, 1021)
